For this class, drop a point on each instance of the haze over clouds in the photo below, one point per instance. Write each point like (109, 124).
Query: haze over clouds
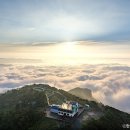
(66, 53)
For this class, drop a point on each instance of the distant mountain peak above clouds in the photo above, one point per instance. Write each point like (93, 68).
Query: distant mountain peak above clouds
(83, 93)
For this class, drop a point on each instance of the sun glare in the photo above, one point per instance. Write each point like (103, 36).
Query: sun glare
(70, 44)
(69, 49)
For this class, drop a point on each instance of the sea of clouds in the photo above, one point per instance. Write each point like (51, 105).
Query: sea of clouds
(110, 83)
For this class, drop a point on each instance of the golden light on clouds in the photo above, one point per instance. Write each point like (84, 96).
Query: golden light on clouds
(68, 53)
(69, 49)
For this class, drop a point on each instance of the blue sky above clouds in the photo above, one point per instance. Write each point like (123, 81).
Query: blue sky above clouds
(64, 20)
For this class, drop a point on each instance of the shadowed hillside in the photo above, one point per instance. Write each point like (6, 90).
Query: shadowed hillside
(24, 109)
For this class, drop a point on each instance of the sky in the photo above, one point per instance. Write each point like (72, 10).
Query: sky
(64, 20)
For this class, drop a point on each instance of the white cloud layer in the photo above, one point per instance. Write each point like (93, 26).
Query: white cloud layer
(110, 84)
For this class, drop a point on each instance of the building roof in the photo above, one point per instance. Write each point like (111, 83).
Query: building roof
(67, 106)
(73, 103)
(54, 107)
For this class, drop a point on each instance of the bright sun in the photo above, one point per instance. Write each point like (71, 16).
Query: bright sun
(69, 49)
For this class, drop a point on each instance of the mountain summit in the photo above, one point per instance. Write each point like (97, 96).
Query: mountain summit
(26, 109)
(83, 93)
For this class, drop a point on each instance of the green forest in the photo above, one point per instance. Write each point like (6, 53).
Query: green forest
(24, 109)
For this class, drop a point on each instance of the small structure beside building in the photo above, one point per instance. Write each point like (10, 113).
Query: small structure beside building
(69, 109)
(86, 105)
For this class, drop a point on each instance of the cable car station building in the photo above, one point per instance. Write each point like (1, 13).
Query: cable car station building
(70, 109)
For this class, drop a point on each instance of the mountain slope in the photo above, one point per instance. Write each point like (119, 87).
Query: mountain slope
(83, 93)
(24, 109)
